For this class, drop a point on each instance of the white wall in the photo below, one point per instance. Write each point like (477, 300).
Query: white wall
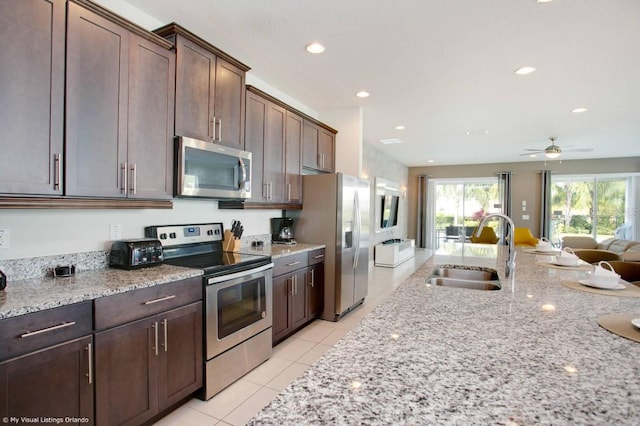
(348, 154)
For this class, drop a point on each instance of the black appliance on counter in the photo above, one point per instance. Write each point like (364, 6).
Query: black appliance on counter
(135, 254)
(282, 230)
(238, 300)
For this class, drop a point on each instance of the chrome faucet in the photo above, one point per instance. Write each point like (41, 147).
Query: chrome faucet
(511, 259)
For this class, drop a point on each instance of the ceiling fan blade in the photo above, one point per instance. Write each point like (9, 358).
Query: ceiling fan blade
(530, 154)
(578, 150)
(534, 150)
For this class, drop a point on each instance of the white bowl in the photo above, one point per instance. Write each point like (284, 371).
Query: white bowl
(543, 246)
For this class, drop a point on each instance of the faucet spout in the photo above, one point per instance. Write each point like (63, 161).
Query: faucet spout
(511, 258)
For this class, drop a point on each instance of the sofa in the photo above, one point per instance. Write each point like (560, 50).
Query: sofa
(589, 250)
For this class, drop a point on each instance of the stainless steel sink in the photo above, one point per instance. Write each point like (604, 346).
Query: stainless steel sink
(461, 276)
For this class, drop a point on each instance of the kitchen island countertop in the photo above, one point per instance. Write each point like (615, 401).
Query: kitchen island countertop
(436, 355)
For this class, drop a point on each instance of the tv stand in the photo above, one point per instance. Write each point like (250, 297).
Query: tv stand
(393, 252)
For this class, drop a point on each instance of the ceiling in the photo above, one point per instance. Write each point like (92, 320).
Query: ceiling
(444, 69)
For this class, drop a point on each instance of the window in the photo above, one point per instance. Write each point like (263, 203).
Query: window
(603, 206)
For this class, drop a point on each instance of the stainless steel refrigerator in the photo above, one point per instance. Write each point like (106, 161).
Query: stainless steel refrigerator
(336, 213)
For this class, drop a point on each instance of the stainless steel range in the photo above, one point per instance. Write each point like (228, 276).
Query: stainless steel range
(237, 297)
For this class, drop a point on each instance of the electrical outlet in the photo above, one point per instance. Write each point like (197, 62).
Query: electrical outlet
(5, 238)
(116, 232)
(525, 217)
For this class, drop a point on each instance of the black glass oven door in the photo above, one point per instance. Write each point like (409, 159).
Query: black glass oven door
(240, 306)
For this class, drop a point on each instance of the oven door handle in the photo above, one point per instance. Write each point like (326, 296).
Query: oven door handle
(229, 277)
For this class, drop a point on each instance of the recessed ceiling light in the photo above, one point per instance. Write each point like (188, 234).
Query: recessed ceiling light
(430, 161)
(363, 94)
(578, 110)
(399, 127)
(533, 155)
(315, 48)
(390, 141)
(477, 132)
(543, 1)
(525, 70)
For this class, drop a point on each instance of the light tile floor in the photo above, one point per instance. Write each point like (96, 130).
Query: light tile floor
(243, 399)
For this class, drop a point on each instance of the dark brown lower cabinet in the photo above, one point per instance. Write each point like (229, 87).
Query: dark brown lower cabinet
(52, 383)
(289, 303)
(297, 296)
(147, 365)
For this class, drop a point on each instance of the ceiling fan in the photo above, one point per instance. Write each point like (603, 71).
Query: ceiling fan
(553, 150)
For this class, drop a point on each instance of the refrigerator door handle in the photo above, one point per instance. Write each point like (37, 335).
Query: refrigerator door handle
(357, 226)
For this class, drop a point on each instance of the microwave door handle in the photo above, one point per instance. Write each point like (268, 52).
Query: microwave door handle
(243, 170)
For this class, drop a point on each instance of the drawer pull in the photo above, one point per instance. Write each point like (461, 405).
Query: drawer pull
(318, 256)
(293, 263)
(44, 330)
(162, 299)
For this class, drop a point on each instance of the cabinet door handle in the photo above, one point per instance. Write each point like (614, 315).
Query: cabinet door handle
(211, 128)
(155, 337)
(213, 133)
(164, 326)
(57, 171)
(89, 363)
(220, 130)
(312, 282)
(318, 256)
(288, 192)
(161, 299)
(293, 263)
(134, 179)
(45, 330)
(123, 173)
(291, 280)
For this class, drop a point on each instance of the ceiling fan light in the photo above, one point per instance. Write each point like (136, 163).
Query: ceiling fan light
(552, 154)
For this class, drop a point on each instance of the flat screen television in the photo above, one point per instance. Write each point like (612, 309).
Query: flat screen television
(389, 211)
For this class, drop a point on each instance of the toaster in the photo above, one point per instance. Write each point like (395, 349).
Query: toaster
(135, 254)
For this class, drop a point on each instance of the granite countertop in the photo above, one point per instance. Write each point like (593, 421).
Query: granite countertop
(436, 355)
(36, 294)
(282, 250)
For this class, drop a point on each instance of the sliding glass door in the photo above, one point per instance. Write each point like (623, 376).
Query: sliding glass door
(460, 205)
(600, 206)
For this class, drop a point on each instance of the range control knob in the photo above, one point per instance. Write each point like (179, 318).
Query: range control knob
(163, 236)
(172, 235)
(209, 231)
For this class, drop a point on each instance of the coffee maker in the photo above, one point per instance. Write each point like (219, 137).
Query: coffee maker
(282, 231)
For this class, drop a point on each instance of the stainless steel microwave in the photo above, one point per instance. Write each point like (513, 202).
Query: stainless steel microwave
(210, 170)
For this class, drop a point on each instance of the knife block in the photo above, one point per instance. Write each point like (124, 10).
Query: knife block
(229, 242)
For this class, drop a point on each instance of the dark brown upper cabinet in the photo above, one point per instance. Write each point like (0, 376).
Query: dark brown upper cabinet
(210, 95)
(293, 158)
(273, 134)
(32, 96)
(119, 109)
(318, 147)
